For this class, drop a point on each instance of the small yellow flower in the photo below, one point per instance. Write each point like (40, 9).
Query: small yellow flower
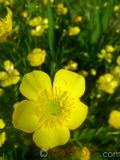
(114, 119)
(6, 26)
(2, 123)
(2, 138)
(61, 9)
(10, 76)
(37, 57)
(50, 110)
(108, 83)
(72, 66)
(73, 31)
(110, 48)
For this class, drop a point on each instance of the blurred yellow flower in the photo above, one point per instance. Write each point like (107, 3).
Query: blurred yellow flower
(61, 9)
(2, 138)
(36, 57)
(110, 48)
(35, 21)
(108, 83)
(24, 14)
(73, 31)
(2, 123)
(10, 76)
(6, 2)
(47, 1)
(93, 72)
(77, 19)
(71, 66)
(116, 8)
(6, 26)
(114, 119)
(50, 111)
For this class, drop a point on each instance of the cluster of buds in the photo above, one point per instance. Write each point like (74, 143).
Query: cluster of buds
(108, 83)
(38, 25)
(10, 76)
(106, 53)
(61, 9)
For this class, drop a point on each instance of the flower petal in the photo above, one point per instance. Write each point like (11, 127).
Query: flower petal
(70, 81)
(33, 83)
(77, 115)
(47, 138)
(26, 116)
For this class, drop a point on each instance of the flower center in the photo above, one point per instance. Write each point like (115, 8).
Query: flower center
(55, 107)
(51, 107)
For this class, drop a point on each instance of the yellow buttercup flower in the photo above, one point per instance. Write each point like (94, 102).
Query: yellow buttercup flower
(2, 138)
(2, 123)
(37, 57)
(114, 119)
(6, 26)
(73, 31)
(10, 76)
(50, 110)
(108, 83)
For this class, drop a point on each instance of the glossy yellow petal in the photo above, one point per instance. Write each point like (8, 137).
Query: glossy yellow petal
(46, 138)
(33, 83)
(70, 81)
(26, 116)
(77, 116)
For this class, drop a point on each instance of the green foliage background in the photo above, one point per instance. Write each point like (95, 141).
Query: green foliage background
(98, 29)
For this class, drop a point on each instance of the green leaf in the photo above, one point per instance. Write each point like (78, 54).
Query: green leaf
(107, 14)
(50, 27)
